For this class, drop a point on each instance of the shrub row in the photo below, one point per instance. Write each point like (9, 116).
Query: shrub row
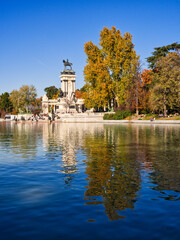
(119, 115)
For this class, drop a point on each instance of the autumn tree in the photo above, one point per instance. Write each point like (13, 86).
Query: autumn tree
(28, 94)
(121, 59)
(139, 91)
(146, 80)
(78, 94)
(15, 99)
(36, 106)
(110, 68)
(134, 91)
(23, 97)
(98, 82)
(165, 93)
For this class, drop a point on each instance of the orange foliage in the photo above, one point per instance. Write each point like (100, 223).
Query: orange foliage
(146, 77)
(37, 102)
(78, 94)
(144, 89)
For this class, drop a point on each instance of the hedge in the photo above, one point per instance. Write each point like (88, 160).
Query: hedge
(119, 115)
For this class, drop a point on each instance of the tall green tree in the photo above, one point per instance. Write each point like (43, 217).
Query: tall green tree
(5, 102)
(165, 93)
(162, 52)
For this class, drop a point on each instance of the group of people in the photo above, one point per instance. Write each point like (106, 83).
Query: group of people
(36, 117)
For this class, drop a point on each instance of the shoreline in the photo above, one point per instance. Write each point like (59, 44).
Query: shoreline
(86, 120)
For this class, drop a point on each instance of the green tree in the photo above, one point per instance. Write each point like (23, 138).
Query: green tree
(59, 93)
(51, 91)
(161, 52)
(165, 93)
(5, 102)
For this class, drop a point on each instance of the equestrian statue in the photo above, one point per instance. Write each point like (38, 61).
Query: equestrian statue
(67, 64)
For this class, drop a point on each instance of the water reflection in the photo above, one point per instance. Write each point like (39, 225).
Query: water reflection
(20, 139)
(114, 160)
(113, 171)
(160, 148)
(63, 141)
(165, 158)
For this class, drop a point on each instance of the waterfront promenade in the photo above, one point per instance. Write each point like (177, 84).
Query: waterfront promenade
(92, 119)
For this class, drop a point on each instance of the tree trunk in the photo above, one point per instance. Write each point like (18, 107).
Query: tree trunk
(164, 105)
(137, 104)
(164, 109)
(110, 104)
(137, 97)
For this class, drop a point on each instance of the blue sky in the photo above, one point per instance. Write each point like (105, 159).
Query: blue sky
(36, 35)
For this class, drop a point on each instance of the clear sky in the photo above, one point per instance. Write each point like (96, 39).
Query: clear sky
(36, 35)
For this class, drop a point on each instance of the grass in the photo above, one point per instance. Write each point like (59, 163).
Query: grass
(169, 118)
(124, 115)
(149, 116)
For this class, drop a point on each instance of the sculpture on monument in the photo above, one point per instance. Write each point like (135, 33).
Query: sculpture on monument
(67, 63)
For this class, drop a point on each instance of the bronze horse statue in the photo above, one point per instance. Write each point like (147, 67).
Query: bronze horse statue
(67, 63)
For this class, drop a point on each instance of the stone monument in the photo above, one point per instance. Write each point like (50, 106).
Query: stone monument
(66, 101)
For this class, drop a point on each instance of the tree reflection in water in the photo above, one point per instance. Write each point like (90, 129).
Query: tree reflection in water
(165, 158)
(20, 139)
(112, 169)
(117, 158)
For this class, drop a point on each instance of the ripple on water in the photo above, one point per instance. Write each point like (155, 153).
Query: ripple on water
(89, 181)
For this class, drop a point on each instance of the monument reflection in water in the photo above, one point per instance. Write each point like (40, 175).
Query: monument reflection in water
(114, 171)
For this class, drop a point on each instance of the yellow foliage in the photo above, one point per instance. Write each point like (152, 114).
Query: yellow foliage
(109, 69)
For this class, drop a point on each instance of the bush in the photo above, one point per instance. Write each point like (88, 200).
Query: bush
(119, 115)
(108, 116)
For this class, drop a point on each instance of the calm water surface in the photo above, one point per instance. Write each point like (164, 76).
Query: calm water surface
(89, 181)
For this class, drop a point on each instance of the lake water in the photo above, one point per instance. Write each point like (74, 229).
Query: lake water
(89, 181)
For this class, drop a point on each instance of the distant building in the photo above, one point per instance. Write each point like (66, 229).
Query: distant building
(67, 102)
